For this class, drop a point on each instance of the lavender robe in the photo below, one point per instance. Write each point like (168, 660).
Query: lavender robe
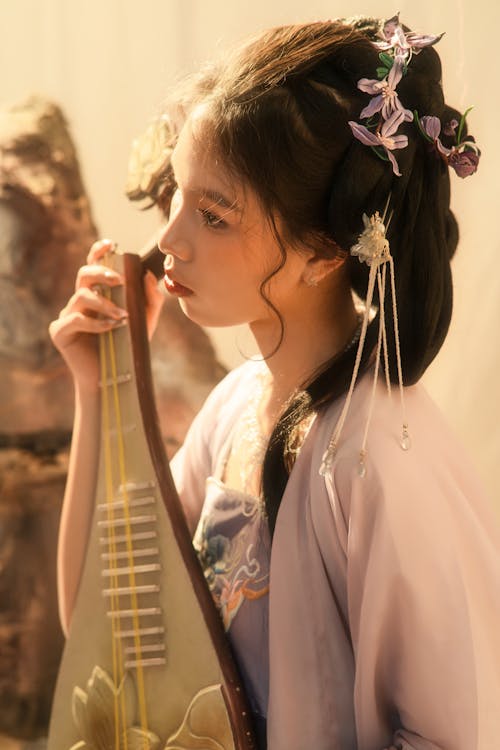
(384, 626)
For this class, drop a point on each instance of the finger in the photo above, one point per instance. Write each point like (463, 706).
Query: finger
(64, 330)
(99, 249)
(88, 301)
(93, 275)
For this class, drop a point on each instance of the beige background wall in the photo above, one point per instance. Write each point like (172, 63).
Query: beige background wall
(109, 63)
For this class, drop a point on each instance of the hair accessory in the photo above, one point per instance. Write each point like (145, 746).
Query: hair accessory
(373, 249)
(311, 281)
(463, 157)
(384, 115)
(380, 132)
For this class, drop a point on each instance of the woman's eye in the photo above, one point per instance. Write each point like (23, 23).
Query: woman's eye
(211, 219)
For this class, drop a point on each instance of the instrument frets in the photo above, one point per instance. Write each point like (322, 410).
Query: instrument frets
(135, 606)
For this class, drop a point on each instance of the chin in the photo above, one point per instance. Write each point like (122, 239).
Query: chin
(210, 318)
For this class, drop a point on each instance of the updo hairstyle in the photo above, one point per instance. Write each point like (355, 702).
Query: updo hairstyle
(277, 118)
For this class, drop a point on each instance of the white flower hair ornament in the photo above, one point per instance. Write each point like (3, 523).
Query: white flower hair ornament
(372, 246)
(373, 249)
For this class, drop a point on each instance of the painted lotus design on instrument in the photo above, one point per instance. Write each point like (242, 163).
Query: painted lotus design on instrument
(94, 712)
(105, 716)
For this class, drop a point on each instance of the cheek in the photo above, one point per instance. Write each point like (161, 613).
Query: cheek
(284, 285)
(263, 260)
(229, 295)
(230, 270)
(232, 265)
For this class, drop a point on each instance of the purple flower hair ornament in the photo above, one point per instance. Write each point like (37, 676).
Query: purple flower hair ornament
(463, 157)
(396, 50)
(430, 127)
(450, 127)
(384, 115)
(386, 99)
(384, 138)
(405, 44)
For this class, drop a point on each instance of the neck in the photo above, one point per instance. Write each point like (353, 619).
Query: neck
(312, 336)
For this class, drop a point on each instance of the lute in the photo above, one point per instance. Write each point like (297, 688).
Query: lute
(146, 665)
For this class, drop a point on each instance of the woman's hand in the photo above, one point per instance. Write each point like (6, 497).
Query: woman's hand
(89, 312)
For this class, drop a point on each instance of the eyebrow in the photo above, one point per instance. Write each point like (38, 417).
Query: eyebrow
(213, 195)
(217, 198)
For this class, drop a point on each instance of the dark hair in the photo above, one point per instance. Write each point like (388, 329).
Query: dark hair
(278, 115)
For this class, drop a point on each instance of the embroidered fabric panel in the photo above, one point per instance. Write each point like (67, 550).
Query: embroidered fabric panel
(233, 545)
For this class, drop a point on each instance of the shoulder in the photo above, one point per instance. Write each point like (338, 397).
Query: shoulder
(221, 408)
(232, 391)
(206, 437)
(435, 454)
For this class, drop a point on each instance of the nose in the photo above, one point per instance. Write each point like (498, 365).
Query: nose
(173, 238)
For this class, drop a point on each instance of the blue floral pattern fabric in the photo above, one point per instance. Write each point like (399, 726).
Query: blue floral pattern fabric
(233, 544)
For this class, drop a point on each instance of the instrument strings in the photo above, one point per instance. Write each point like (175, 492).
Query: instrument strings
(109, 378)
(115, 624)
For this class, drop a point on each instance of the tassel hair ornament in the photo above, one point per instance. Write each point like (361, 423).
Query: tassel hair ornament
(373, 249)
(383, 116)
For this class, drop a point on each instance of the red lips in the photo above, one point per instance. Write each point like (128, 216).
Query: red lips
(176, 289)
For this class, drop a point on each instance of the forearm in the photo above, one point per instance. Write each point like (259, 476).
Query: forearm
(78, 501)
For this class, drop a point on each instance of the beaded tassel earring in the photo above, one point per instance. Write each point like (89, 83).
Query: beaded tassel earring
(373, 249)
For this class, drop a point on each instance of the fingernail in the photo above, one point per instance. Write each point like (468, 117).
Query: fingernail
(113, 275)
(113, 322)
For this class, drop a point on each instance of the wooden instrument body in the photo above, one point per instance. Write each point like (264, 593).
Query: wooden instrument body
(158, 636)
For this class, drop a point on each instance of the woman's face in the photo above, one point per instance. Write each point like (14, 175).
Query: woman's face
(219, 246)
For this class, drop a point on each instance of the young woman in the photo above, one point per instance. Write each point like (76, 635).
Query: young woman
(345, 540)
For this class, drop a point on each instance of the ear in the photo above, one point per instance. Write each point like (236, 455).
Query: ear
(317, 269)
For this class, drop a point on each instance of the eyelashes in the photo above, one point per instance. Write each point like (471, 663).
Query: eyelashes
(210, 219)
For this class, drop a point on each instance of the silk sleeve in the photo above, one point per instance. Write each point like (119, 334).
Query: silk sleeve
(423, 605)
(195, 461)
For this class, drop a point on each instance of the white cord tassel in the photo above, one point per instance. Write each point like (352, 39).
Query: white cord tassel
(381, 294)
(372, 248)
(405, 438)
